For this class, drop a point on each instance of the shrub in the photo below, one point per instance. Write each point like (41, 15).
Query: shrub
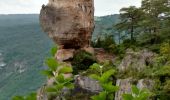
(137, 94)
(31, 96)
(106, 82)
(165, 49)
(82, 60)
(108, 43)
(56, 71)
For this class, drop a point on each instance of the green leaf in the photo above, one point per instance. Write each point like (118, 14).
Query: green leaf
(106, 76)
(54, 50)
(127, 97)
(94, 76)
(18, 98)
(52, 63)
(59, 87)
(69, 85)
(135, 90)
(31, 96)
(65, 69)
(51, 89)
(110, 88)
(144, 94)
(60, 78)
(101, 96)
(47, 73)
(95, 66)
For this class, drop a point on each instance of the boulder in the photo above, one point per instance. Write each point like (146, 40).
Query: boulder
(64, 54)
(68, 22)
(87, 84)
(136, 60)
(102, 56)
(124, 87)
(145, 83)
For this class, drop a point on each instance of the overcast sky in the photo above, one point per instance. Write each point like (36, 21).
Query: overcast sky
(102, 7)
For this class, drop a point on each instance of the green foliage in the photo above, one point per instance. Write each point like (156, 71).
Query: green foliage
(52, 63)
(82, 60)
(59, 84)
(31, 96)
(54, 50)
(165, 49)
(56, 71)
(105, 81)
(101, 96)
(130, 17)
(163, 71)
(107, 42)
(65, 70)
(27, 47)
(137, 94)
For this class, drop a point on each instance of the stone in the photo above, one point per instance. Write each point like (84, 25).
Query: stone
(87, 84)
(124, 87)
(137, 60)
(69, 22)
(64, 54)
(145, 83)
(41, 94)
(89, 50)
(102, 56)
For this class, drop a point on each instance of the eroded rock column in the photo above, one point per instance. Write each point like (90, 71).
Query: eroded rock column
(70, 24)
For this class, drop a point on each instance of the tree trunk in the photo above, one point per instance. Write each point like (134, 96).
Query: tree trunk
(132, 33)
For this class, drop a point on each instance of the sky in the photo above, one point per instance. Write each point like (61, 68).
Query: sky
(102, 7)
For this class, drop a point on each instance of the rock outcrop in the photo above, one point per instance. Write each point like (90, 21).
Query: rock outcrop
(69, 23)
(87, 84)
(136, 60)
(124, 87)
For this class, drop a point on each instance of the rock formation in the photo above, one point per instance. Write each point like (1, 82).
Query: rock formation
(69, 23)
(138, 61)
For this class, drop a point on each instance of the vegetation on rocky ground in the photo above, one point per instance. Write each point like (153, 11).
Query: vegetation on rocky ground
(146, 27)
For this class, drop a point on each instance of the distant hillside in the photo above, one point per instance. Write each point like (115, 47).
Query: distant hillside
(104, 25)
(23, 48)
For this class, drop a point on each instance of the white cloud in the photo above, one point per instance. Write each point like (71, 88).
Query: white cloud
(102, 7)
(20, 6)
(106, 7)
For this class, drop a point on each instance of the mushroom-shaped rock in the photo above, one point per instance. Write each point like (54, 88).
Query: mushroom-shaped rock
(69, 23)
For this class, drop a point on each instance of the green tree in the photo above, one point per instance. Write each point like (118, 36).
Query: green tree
(129, 20)
(155, 12)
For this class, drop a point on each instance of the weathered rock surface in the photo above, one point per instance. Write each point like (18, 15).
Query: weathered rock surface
(145, 83)
(124, 87)
(102, 56)
(64, 54)
(87, 84)
(136, 60)
(69, 22)
(41, 94)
